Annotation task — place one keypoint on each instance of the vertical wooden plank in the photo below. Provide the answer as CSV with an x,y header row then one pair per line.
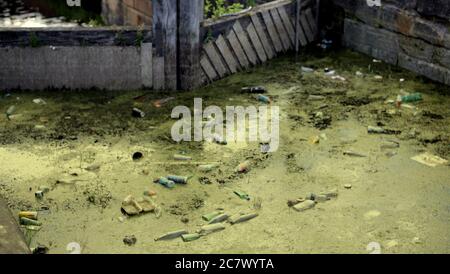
x,y
270,26
317,18
208,69
203,77
165,46
243,39
280,28
158,45
216,61
171,50
256,42
305,25
158,73
146,65
301,35
287,22
270,52
237,49
189,43
311,21
224,50
297,26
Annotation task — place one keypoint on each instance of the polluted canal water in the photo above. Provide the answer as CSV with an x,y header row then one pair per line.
x,y
347,134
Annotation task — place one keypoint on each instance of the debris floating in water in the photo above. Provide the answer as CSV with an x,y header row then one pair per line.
x,y
137,113
307,70
180,157
429,159
172,235
178,179
254,89
264,99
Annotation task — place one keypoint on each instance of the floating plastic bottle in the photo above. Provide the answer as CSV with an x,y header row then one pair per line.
x,y
178,179
166,182
264,99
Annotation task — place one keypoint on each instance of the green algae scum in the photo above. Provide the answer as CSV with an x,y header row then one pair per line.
x,y
81,145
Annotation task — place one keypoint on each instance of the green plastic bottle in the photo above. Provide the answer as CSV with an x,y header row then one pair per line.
x,y
414,97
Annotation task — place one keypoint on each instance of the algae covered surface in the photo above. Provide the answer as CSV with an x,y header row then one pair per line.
x,y
80,145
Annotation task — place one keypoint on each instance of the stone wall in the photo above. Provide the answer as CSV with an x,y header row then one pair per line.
x,y
79,58
414,34
127,12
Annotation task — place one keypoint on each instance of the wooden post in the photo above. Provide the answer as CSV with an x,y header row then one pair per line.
x,y
318,19
297,27
165,44
190,17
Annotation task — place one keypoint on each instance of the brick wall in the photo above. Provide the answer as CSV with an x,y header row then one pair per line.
x,y
127,12
413,34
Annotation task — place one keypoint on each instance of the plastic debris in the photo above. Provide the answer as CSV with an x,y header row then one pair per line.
x,y
180,157
338,77
414,97
137,113
242,218
374,3
165,182
219,218
207,168
33,215
150,193
39,101
39,194
28,221
325,44
10,111
190,237
316,97
380,130
178,179
172,235
354,154
208,229
162,102
219,139
132,206
254,89
263,99
308,204
307,70
330,73
242,194
208,217
429,159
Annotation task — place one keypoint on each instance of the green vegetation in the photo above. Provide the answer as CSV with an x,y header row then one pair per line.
x,y
139,37
218,8
75,14
34,40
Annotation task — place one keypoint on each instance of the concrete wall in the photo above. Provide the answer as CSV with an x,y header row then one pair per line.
x,y
127,12
75,59
414,34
